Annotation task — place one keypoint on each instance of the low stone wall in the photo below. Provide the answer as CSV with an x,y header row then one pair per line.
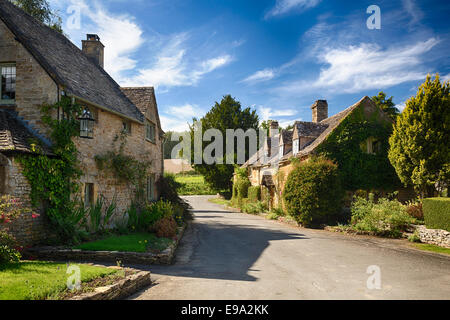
x,y
120,290
66,254
433,236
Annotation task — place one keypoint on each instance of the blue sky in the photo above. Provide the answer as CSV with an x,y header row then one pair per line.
x,y
276,56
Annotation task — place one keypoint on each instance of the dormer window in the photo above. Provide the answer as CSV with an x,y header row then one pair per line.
x,y
8,83
87,124
296,147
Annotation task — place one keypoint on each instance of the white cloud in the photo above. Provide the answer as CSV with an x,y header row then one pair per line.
x,y
446,77
173,68
367,66
262,75
284,6
267,113
413,10
177,118
173,62
401,107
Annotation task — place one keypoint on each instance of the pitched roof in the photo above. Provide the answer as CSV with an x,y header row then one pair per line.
x,y
143,98
310,129
66,64
286,136
16,136
332,123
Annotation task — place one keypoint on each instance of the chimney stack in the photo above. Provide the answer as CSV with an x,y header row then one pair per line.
x,y
94,49
319,111
274,128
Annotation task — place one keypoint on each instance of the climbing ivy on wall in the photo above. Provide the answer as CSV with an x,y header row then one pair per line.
x,y
346,146
53,179
125,168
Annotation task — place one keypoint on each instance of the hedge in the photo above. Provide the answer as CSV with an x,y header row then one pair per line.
x,y
254,194
437,213
313,193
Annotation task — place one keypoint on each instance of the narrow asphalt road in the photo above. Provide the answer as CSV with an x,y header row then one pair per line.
x,y
227,255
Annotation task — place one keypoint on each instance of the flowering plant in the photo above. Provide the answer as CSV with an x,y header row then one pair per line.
x,y
11,208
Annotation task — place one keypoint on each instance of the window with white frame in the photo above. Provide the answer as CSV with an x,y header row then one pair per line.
x,y
296,146
150,131
8,83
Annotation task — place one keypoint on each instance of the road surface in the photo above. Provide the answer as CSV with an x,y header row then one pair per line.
x,y
226,255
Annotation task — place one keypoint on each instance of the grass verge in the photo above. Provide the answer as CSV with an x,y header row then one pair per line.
x,y
432,248
221,201
137,242
29,280
193,185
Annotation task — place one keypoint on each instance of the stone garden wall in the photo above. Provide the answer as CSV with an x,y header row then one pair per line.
x,y
432,236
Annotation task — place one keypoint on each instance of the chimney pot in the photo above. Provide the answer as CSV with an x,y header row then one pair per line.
x,y
319,111
94,49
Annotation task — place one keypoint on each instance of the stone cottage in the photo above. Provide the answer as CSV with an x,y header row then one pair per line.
x,y
303,142
39,66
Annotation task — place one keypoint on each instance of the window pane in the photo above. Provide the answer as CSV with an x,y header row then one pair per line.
x,y
8,83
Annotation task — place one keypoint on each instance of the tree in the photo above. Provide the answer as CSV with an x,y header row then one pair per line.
x,y
386,105
169,144
228,114
40,10
419,146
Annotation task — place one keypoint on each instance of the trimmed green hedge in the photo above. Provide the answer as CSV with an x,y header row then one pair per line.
x,y
437,213
254,194
313,193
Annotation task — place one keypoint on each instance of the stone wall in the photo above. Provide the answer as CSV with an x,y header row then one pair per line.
x,y
432,236
107,127
34,86
26,229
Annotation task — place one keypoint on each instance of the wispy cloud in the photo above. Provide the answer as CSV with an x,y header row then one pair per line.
x,y
169,62
262,75
284,6
177,118
267,113
367,66
413,10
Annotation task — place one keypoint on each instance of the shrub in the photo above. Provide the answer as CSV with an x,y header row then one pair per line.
x,y
8,251
313,192
166,228
254,193
154,212
242,185
252,207
415,210
385,218
168,187
437,213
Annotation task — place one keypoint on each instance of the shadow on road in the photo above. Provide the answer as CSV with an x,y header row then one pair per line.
x,y
223,251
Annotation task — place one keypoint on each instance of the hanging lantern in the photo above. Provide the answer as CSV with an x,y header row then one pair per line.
x,y
87,124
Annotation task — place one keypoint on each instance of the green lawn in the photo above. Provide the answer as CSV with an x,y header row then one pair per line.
x,y
433,248
40,280
137,242
193,185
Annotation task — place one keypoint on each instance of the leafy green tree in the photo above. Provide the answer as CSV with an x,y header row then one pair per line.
x,y
228,114
419,146
40,10
387,105
169,144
